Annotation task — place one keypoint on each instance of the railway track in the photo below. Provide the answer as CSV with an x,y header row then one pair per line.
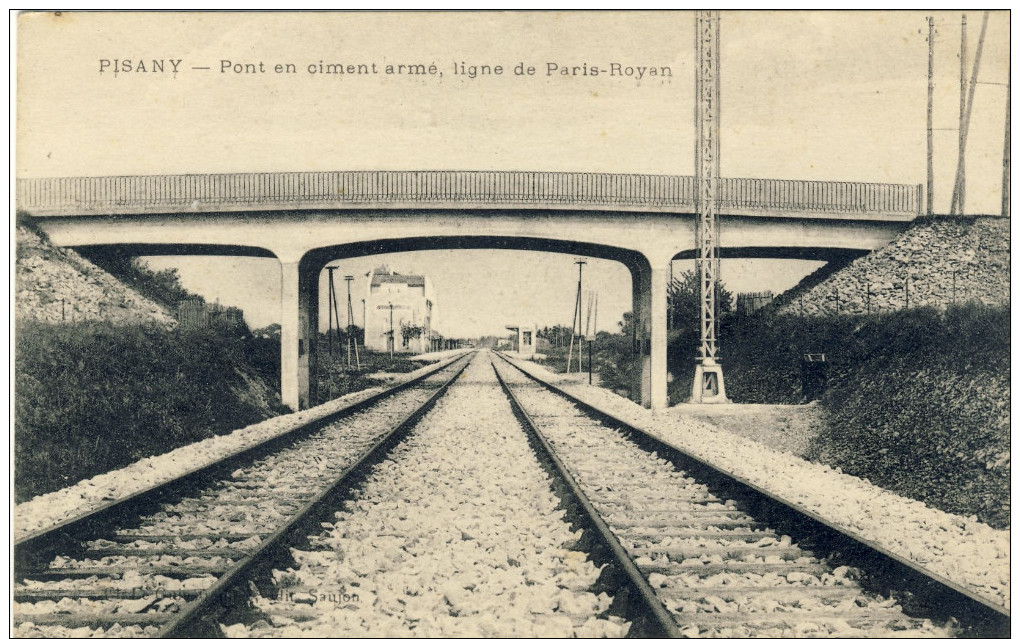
x,y
683,550
724,559
458,532
167,560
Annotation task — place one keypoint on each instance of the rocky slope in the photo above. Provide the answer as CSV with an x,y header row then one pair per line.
x,y
58,285
937,262
132,382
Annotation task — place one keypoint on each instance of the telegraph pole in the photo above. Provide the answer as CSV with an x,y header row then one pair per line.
x,y
332,310
575,325
393,336
967,104
931,98
350,323
956,207
708,376
1005,156
591,328
671,321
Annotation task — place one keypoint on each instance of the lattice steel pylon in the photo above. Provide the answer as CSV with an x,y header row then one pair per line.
x,y
708,376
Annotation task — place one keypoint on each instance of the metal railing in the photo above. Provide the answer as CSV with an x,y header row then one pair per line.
x,y
597,190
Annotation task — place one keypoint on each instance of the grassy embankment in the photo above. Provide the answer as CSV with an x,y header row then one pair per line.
x,y
334,378
92,396
917,400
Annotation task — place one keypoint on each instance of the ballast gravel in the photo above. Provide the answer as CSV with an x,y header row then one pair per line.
x,y
54,508
254,500
456,533
701,581
961,549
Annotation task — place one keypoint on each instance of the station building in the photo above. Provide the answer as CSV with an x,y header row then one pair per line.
x,y
408,301
523,339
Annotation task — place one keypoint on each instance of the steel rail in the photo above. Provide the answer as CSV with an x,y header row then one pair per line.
x,y
931,594
200,617
120,508
35,549
641,605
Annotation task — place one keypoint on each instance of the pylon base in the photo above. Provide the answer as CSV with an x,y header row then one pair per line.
x,y
709,386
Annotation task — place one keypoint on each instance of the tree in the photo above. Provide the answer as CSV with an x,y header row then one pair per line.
x,y
558,335
627,323
410,331
271,331
684,301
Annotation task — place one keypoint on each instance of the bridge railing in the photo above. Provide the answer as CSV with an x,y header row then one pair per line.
x,y
803,195
482,187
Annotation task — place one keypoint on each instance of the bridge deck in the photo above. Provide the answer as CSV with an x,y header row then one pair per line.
x,y
457,190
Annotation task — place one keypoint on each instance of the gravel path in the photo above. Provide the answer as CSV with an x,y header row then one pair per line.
x,y
59,506
784,427
958,548
457,533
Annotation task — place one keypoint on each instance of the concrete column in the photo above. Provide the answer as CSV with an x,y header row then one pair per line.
x,y
296,289
650,299
638,279
659,338
308,311
289,335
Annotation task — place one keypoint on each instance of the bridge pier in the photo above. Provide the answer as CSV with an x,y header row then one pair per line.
x,y
298,328
651,283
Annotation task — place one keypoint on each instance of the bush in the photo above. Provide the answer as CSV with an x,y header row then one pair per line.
x,y
917,400
333,378
163,287
926,413
92,397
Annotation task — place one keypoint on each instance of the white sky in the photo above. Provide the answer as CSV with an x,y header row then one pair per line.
x,y
805,95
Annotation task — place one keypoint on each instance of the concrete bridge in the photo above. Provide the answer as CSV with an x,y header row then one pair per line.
x,y
306,220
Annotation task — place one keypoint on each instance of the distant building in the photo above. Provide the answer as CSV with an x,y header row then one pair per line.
x,y
411,300
524,339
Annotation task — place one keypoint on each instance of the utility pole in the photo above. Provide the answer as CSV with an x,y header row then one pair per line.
x,y
931,97
956,207
332,310
592,328
393,336
966,107
587,333
350,323
669,299
1005,155
575,325
708,376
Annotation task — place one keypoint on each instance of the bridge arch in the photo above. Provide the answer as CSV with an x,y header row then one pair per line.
x,y
300,298
102,252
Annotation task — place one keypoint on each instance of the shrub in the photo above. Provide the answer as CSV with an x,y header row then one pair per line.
x,y
925,410
91,397
333,378
917,400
